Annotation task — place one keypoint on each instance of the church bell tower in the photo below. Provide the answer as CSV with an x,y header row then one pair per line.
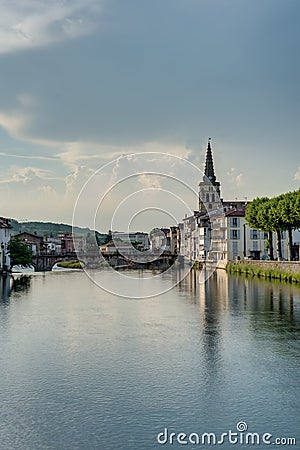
x,y
209,188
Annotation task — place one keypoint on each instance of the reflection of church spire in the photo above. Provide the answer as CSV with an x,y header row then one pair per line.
x,y
209,164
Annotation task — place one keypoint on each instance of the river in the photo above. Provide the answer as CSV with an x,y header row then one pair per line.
x,y
84,369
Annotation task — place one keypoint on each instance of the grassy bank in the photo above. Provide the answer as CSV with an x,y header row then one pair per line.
x,y
70,265
271,273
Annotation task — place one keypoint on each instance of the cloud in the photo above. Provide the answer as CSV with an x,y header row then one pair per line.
x,y
35,23
237,179
36,157
28,175
15,123
74,152
297,174
149,181
76,179
18,121
35,194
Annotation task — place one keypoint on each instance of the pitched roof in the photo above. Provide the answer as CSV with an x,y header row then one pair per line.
x,y
4,223
30,234
235,213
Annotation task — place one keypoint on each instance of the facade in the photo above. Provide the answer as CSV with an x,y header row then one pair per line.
x,y
160,240
5,228
166,239
234,239
296,240
190,244
174,239
53,245
218,230
134,237
71,243
34,242
121,247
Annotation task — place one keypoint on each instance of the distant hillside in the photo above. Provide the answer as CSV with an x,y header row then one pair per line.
x,y
51,229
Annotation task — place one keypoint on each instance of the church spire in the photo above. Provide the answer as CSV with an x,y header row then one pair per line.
x,y
209,187
209,164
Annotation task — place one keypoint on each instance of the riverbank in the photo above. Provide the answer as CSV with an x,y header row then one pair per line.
x,y
70,265
279,270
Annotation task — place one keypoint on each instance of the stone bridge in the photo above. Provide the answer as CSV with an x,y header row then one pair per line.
x,y
134,261
43,263
46,262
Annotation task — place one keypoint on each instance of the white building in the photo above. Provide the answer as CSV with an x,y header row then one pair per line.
x,y
191,242
136,237
4,242
175,237
120,247
234,239
53,245
165,239
218,231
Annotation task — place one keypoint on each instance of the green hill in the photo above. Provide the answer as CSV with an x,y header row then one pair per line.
x,y
52,229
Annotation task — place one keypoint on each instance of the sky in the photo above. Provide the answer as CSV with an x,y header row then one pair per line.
x,y
84,82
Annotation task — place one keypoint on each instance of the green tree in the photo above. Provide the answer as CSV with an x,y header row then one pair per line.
x,y
266,222
275,222
258,217
288,209
281,213
296,208
20,253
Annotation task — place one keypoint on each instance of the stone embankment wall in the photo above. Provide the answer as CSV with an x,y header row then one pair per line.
x,y
286,266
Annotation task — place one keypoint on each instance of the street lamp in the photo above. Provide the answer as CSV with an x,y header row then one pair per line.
x,y
2,256
245,241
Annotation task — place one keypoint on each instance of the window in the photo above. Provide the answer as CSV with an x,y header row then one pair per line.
x,y
207,197
255,245
234,234
254,234
283,235
235,249
265,235
235,222
212,197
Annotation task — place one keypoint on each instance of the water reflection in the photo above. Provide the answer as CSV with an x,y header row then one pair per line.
x,y
81,366
239,294
21,284
10,283
267,307
4,288
211,298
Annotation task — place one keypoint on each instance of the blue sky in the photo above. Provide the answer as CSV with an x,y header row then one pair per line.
x,y
84,81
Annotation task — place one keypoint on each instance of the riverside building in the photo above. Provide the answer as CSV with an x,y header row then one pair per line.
x,y
5,228
218,231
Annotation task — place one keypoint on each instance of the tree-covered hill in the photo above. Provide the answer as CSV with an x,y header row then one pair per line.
x,y
51,229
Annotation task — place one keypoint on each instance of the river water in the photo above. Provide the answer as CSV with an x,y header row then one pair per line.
x,y
83,369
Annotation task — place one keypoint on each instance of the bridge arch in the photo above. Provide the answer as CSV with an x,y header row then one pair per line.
x,y
46,262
